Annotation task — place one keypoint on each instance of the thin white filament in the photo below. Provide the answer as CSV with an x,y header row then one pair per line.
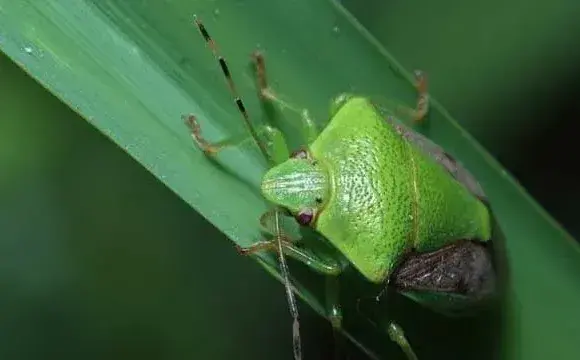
x,y
289,294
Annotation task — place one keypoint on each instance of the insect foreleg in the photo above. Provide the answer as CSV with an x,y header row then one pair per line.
x,y
322,263
276,144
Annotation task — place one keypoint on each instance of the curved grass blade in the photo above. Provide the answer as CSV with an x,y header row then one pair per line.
x,y
133,68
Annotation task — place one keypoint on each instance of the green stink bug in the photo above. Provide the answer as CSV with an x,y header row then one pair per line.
x,y
395,205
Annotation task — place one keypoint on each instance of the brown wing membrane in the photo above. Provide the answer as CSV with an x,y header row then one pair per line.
x,y
463,268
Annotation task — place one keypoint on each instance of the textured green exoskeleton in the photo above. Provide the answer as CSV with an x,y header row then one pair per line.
x,y
397,207
373,194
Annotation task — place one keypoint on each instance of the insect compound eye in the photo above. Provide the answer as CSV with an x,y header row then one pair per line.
x,y
299,154
305,217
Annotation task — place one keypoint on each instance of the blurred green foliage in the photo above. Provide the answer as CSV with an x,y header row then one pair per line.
x,y
97,258
507,71
96,255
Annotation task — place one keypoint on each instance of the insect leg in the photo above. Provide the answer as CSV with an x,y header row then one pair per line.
x,y
324,266
394,330
397,335
422,106
318,262
276,144
232,87
321,265
309,128
417,114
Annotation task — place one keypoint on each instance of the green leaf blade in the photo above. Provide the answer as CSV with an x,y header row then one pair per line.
x,y
133,69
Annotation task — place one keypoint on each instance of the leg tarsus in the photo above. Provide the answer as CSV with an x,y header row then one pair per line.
x,y
276,142
265,92
208,148
422,106
264,245
421,109
398,336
